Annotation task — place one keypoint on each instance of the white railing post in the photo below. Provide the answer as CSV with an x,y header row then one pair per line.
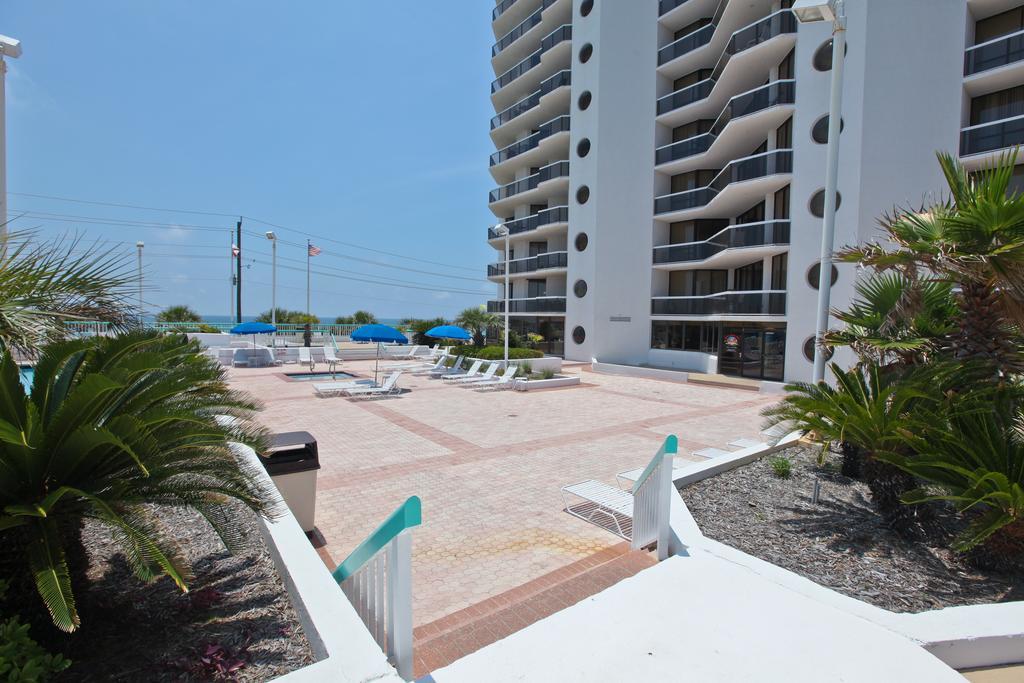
x,y
652,500
399,603
664,503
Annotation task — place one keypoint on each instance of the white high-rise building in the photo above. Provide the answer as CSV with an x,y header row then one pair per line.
x,y
661,165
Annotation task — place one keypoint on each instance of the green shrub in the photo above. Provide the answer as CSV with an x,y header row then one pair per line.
x,y
781,466
547,374
524,370
21,658
496,352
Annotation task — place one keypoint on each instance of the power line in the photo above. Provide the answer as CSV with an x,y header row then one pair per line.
x,y
122,206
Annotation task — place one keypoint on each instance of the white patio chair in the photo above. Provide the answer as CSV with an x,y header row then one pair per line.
x,y
485,376
472,372
426,364
504,382
455,368
389,388
306,357
325,389
331,359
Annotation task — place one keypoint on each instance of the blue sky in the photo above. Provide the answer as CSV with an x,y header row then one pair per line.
x,y
363,122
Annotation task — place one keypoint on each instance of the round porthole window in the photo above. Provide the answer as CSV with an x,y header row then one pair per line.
x,y
579,335
580,289
822,60
809,350
583,148
582,241
817,203
585,7
583,194
586,52
584,100
819,132
814,273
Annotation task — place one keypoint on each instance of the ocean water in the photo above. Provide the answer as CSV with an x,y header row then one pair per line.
x,y
248,318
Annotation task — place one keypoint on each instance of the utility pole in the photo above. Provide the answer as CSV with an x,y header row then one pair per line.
x,y
238,278
231,276
139,246
9,47
308,254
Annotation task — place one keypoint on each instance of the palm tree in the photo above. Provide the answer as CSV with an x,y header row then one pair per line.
x,y
879,328
43,285
478,321
973,241
113,429
178,314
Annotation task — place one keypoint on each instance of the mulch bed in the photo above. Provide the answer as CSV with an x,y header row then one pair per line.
x,y
236,622
841,542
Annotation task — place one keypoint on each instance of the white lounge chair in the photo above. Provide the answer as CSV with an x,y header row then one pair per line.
x,y
504,382
306,357
455,367
601,501
331,359
428,364
389,388
485,376
325,389
472,372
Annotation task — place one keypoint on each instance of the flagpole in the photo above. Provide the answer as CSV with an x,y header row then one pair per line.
x,y
307,276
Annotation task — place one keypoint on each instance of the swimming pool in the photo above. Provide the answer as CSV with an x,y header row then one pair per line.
x,y
318,376
27,374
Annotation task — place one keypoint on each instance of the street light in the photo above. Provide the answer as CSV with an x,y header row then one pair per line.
x,y
139,246
812,11
502,231
273,285
9,47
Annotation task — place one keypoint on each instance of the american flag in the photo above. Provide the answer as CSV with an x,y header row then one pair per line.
x,y
235,251
313,250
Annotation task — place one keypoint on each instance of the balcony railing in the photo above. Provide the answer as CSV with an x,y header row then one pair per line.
x,y
722,303
763,234
994,53
666,6
558,125
560,34
517,33
687,43
751,102
557,214
559,169
562,78
500,8
744,39
551,259
989,137
540,304
738,171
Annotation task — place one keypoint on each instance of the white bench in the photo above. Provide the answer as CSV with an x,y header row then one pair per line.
x,y
604,501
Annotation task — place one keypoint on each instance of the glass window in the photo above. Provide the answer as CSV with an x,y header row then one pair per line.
x,y
687,131
749,277
999,105
691,78
687,30
782,203
697,282
692,180
659,335
538,248
754,214
786,67
691,337
1001,24
536,288
780,264
784,135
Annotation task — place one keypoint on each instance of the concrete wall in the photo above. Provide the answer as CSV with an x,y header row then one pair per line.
x,y
619,172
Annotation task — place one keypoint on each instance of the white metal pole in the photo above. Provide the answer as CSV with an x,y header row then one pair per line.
x,y
307,276
273,288
828,231
231,276
506,293
139,246
9,47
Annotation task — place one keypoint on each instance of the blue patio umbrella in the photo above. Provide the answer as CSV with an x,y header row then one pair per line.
x,y
253,328
449,332
378,334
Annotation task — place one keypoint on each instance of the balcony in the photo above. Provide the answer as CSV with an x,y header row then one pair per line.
x,y
722,304
560,79
763,234
741,170
546,261
500,8
563,33
517,33
771,95
559,169
559,125
664,6
991,137
994,54
687,43
540,304
744,39
552,216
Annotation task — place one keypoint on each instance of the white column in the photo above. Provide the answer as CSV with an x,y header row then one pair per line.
x,y
9,47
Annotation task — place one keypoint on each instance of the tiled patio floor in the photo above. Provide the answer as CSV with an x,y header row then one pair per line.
x,y
488,467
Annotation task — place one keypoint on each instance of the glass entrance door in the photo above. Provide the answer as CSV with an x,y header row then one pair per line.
x,y
752,351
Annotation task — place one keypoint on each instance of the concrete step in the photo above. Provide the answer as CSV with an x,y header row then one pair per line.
x,y
441,642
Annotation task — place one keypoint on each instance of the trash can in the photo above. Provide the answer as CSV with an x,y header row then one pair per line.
x,y
292,461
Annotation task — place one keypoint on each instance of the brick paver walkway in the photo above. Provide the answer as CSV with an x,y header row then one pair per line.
x,y
488,467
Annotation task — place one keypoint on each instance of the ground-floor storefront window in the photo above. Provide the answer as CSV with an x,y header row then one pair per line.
x,y
545,333
753,350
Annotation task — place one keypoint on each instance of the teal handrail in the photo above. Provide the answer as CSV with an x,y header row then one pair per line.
x,y
408,515
670,447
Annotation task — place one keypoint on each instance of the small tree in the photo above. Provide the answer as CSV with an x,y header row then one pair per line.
x,y
286,317
357,318
478,321
178,314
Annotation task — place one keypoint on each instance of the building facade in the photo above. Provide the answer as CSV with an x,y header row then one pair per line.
x,y
660,164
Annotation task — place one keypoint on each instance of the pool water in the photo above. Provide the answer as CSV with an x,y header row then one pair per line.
x,y
319,376
26,377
